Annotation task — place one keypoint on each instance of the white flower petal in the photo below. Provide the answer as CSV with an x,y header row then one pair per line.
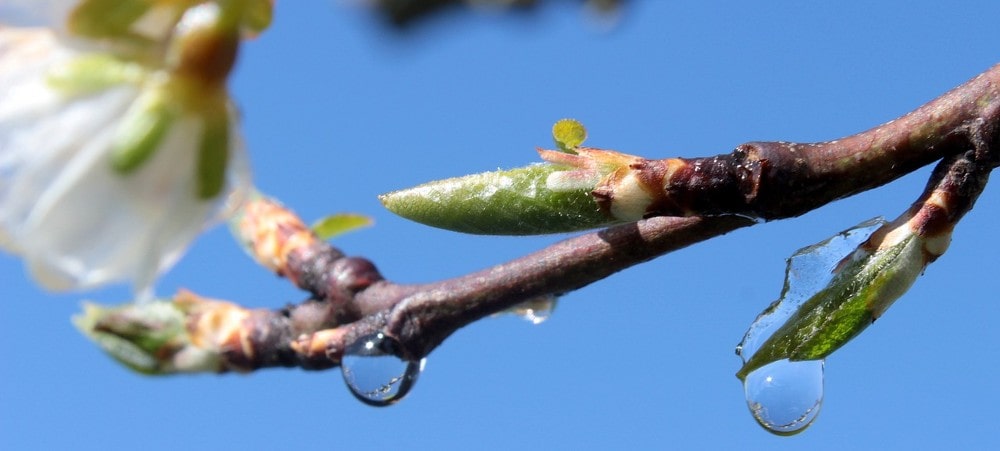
x,y
75,220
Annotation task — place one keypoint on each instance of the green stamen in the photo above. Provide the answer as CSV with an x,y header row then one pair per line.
x,y
213,154
142,131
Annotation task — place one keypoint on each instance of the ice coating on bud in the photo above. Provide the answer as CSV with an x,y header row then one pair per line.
x,y
812,324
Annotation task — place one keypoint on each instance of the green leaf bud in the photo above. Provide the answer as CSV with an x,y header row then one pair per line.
x,y
864,285
149,338
512,202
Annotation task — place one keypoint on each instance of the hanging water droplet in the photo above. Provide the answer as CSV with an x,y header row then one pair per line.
x,y
535,310
375,373
785,397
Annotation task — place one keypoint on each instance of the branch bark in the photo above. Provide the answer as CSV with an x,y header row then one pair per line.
x,y
700,199
778,180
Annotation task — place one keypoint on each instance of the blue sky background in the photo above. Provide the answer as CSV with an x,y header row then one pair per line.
x,y
337,110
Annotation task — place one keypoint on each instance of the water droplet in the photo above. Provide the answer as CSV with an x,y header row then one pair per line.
x,y
785,397
754,218
375,373
535,310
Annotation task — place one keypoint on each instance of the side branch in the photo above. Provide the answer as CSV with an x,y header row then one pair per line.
x,y
424,319
427,314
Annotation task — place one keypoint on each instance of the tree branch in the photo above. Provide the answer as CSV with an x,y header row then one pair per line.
x,y
402,14
769,180
777,180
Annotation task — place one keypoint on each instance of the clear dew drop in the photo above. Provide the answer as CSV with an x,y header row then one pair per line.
x,y
375,374
535,311
785,397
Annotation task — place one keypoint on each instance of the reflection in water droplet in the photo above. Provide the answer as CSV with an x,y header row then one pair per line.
x,y
785,397
375,374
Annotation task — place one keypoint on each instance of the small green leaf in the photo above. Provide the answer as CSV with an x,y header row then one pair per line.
x,y
141,131
569,134
512,202
339,224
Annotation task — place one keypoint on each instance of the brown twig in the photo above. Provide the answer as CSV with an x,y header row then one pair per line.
x,y
767,179
404,13
422,316
770,180
777,180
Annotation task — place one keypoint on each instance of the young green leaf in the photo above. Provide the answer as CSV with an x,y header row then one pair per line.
x,y
339,224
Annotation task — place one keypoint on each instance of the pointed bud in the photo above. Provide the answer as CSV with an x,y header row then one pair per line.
x,y
149,338
513,202
864,284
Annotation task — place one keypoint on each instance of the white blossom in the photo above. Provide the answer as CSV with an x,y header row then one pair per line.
x,y
76,219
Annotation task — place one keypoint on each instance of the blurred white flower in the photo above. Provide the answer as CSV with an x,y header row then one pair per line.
x,y
111,161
